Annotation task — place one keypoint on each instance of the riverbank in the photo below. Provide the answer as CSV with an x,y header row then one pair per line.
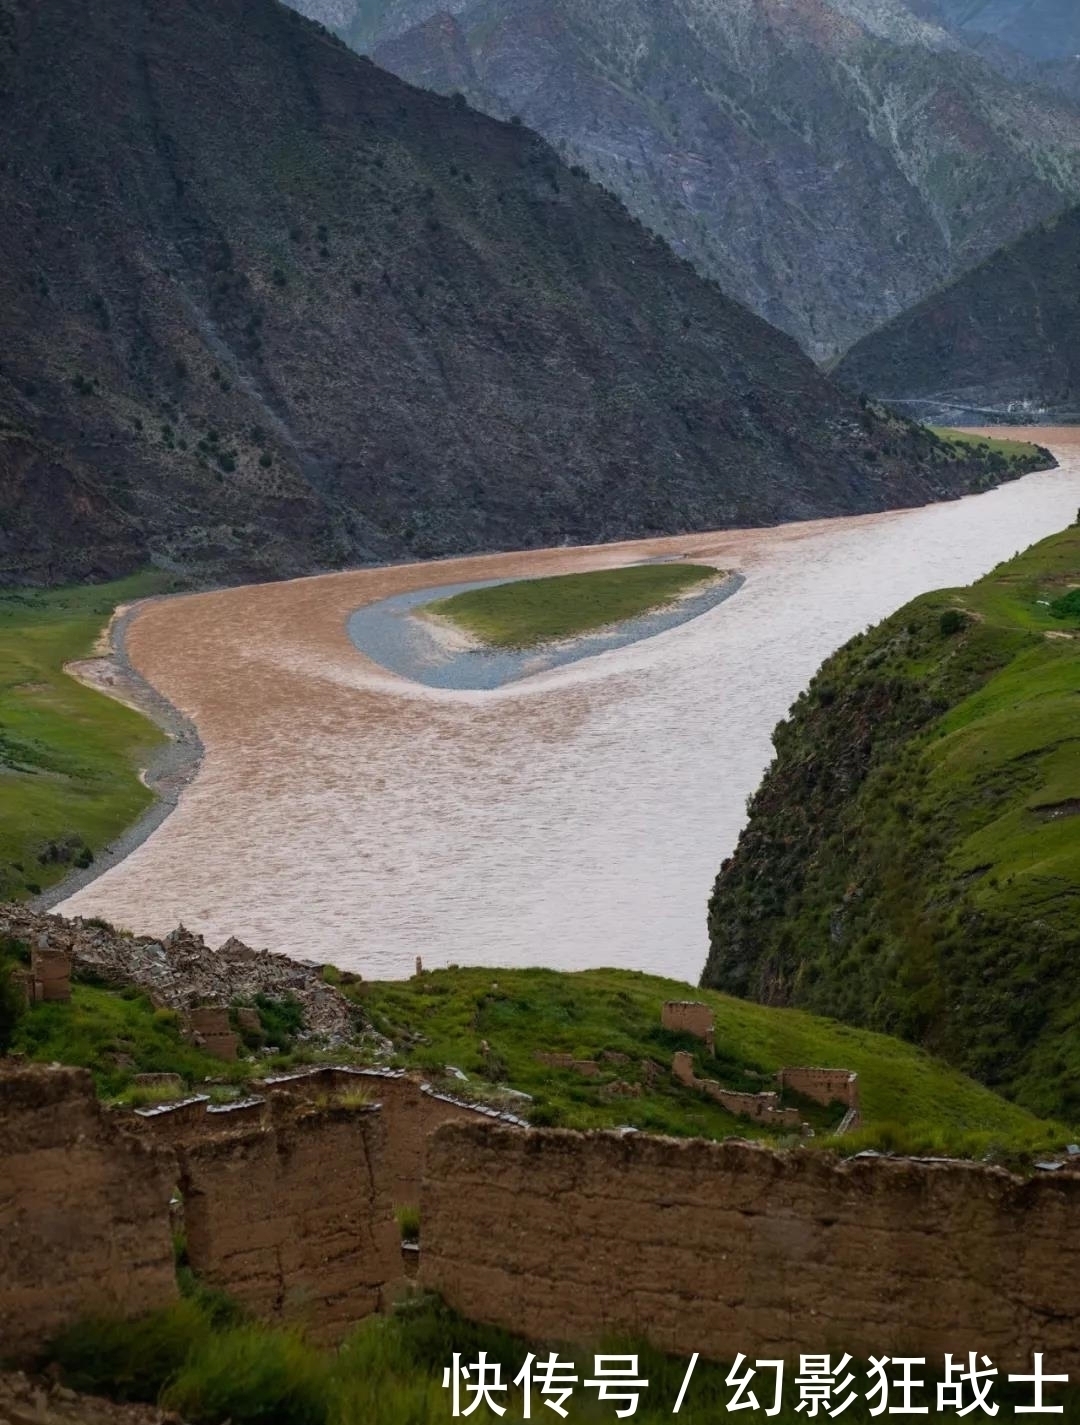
x,y
171,766
70,759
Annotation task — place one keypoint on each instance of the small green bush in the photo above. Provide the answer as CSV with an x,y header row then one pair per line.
x,y
130,1360
282,1019
951,622
1068,606
408,1221
12,1006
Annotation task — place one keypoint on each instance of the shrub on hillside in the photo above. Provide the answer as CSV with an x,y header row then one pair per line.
x,y
12,1006
130,1360
253,1374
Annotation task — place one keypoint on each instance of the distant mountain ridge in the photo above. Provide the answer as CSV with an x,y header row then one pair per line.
x,y
1002,343
829,162
269,310
1044,29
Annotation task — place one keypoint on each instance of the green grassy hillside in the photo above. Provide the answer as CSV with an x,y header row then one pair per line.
x,y
69,756
530,611
912,858
491,1024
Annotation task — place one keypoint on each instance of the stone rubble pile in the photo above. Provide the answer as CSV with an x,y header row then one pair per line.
x,y
27,1401
182,972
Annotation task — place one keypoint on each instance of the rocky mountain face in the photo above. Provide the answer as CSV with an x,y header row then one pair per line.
x,y
268,309
829,162
1044,29
1001,344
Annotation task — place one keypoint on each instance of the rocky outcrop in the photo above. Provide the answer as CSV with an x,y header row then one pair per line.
x,y
25,1400
718,1247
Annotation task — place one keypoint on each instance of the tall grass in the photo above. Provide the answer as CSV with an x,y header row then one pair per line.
x,y
390,1372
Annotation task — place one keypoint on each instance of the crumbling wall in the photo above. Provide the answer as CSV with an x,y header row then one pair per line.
x,y
822,1085
725,1247
758,1106
411,1111
686,1016
587,1068
84,1210
292,1217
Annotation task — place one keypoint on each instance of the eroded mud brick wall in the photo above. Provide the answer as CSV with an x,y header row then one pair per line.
x,y
725,1247
294,1219
823,1085
84,1210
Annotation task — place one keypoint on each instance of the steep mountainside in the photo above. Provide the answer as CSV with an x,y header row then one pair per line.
x,y
267,309
829,162
1045,29
912,858
1002,342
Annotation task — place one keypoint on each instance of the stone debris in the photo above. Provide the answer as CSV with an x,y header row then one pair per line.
x,y
182,972
41,1401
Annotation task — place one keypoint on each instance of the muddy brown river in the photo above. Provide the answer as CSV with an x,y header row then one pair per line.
x,y
572,819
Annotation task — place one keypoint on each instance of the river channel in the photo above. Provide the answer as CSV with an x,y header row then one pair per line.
x,y
572,818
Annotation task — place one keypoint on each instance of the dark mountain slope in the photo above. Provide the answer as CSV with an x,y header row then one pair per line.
x,y
269,309
829,162
1004,341
912,858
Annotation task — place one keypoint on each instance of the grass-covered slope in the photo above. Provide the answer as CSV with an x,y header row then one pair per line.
x,y
69,756
530,611
481,1034
492,1024
912,858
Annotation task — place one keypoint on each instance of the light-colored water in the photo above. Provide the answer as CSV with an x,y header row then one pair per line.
x,y
574,819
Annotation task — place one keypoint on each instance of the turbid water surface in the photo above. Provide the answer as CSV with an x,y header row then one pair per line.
x,y
574,818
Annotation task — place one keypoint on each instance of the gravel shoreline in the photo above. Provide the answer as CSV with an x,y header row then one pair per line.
x,y
171,768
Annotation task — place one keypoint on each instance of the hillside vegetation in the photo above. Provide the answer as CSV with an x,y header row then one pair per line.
x,y
69,756
274,310
484,1035
912,858
492,1024
1003,342
530,611
204,1359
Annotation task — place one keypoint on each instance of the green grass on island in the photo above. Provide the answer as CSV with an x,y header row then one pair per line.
x,y
69,756
530,611
912,860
